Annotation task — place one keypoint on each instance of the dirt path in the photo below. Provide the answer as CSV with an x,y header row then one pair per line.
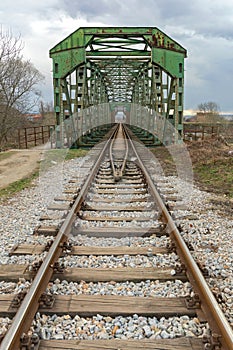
x,y
17,165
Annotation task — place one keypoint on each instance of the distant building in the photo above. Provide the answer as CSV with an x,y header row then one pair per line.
x,y
208,117
228,117
33,117
190,118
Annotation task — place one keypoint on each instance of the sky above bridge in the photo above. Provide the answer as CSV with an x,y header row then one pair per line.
x,y
203,27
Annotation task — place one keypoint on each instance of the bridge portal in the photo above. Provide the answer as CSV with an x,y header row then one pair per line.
x,y
98,72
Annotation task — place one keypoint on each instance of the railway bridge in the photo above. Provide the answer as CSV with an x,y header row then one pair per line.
x,y
106,74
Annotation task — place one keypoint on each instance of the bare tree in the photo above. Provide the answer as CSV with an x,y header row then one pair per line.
x,y
210,111
46,107
18,80
208,107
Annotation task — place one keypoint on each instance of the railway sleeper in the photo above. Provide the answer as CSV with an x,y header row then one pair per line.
x,y
61,207
113,344
119,207
13,273
106,305
128,199
46,230
123,181
118,232
31,249
90,217
120,185
119,191
65,198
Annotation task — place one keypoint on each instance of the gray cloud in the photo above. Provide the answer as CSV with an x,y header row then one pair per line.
x,y
90,9
203,27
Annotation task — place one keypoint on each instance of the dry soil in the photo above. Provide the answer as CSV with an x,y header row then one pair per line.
x,y
17,165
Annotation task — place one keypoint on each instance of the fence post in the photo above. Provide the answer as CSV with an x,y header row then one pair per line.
x,y
25,135
19,138
34,134
42,131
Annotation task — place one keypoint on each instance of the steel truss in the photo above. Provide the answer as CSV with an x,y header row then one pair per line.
x,y
98,71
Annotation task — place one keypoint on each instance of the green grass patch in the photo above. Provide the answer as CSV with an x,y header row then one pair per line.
x,y
213,170
74,153
216,176
17,186
57,156
165,159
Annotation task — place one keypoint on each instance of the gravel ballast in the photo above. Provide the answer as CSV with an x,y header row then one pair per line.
x,y
210,234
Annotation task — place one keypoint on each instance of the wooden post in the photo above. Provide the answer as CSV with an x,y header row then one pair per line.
x,y
25,135
42,133
35,134
203,133
19,138
212,131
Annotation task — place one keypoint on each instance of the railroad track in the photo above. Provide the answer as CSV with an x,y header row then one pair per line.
x,y
118,202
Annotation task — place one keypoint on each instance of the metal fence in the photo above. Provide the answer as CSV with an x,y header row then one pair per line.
x,y
38,135
34,136
201,131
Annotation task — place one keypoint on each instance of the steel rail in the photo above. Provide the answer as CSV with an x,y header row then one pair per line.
x,y
118,173
209,304
25,314
111,149
126,151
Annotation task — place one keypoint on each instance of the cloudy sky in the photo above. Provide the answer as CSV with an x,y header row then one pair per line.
x,y
203,27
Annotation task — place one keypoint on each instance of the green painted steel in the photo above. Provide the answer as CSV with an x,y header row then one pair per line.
x,y
99,71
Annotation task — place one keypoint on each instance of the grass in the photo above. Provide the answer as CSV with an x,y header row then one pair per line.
x,y
74,153
213,170
162,154
57,156
17,186
216,176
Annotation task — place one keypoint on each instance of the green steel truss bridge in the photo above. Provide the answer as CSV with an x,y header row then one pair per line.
x,y
102,74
